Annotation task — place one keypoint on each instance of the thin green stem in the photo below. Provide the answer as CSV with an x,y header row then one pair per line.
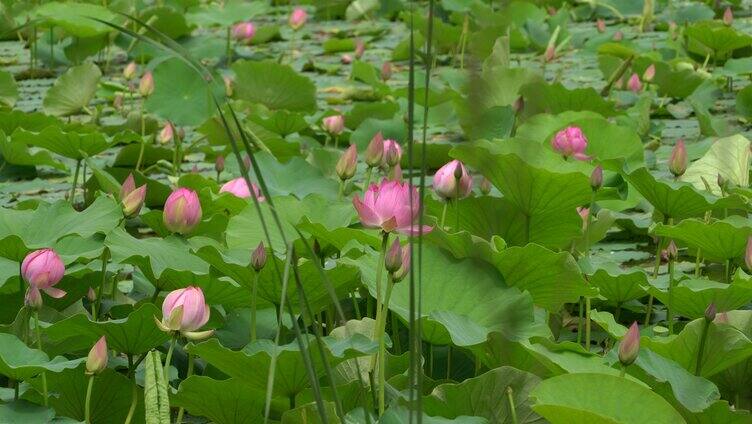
x,y
134,390
727,273
512,408
254,289
382,344
580,320
701,348
87,407
443,214
168,359
656,267
143,141
181,411
97,305
38,331
449,362
623,371
395,334
75,180
341,192
229,45
367,182
457,211
670,306
587,323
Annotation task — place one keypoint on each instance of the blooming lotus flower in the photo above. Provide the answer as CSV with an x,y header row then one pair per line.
x,y
132,198
166,134
452,181
386,71
42,269
129,71
334,124
360,48
347,163
387,206
244,31
146,84
649,73
571,142
600,25
392,153
677,162
375,151
185,310
258,257
629,347
634,84
239,188
182,211
96,361
298,18
728,16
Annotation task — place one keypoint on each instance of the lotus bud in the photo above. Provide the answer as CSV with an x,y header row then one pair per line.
x,y
618,36
386,71
677,162
43,269
334,124
96,362
228,85
393,257
584,215
219,164
600,25
375,150
346,59
185,310
404,269
671,251
596,178
129,71
634,84
360,48
244,31
710,312
33,298
258,257
720,181
167,133
629,347
728,16
347,163
485,186
146,85
91,295
452,181
132,198
392,153
550,53
182,211
298,18
748,254
649,73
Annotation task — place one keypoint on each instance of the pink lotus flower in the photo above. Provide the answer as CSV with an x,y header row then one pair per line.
x,y
634,84
185,310
596,178
677,162
132,198
334,124
375,151
571,142
629,347
618,36
395,174
392,153
96,361
182,211
452,181
146,84
239,188
42,269
298,18
244,31
387,206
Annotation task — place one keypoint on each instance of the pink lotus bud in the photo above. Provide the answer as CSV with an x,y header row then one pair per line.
x,y
91,295
33,298
629,347
96,362
596,178
393,257
386,71
146,85
298,18
387,206
649,73
182,211
360,48
43,269
485,186
392,153
600,25
239,188
728,16
634,84
228,85
677,162
375,150
671,251
748,254
710,312
132,198
452,181
244,31
334,124
258,257
395,173
550,53
130,71
404,268
165,136
219,164
346,59
185,310
571,142
347,163
618,36
584,214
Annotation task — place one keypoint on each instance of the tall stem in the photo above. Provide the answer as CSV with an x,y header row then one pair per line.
x,y
169,358
580,320
87,407
369,170
39,346
701,348
670,306
341,192
229,46
587,323
382,346
75,180
97,305
253,306
143,134
181,411
512,408
656,267
443,214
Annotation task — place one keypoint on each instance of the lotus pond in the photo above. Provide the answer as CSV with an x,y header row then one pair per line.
x,y
396,211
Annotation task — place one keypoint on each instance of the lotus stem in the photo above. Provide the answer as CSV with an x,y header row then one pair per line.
x,y
168,359
369,170
75,180
701,348
341,192
181,411
253,306
587,323
96,309
443,214
512,408
87,407
39,346
382,347
670,306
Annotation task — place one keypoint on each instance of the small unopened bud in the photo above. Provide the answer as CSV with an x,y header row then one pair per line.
x,y
375,150
677,162
392,153
346,59
228,86
33,298
485,186
671,251
129,71
720,181
96,362
360,48
91,295
596,178
395,173
710,312
550,53
600,25
728,16
167,133
386,71
146,85
634,84
131,197
393,257
334,124
347,163
629,347
219,164
258,257
649,73
618,36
